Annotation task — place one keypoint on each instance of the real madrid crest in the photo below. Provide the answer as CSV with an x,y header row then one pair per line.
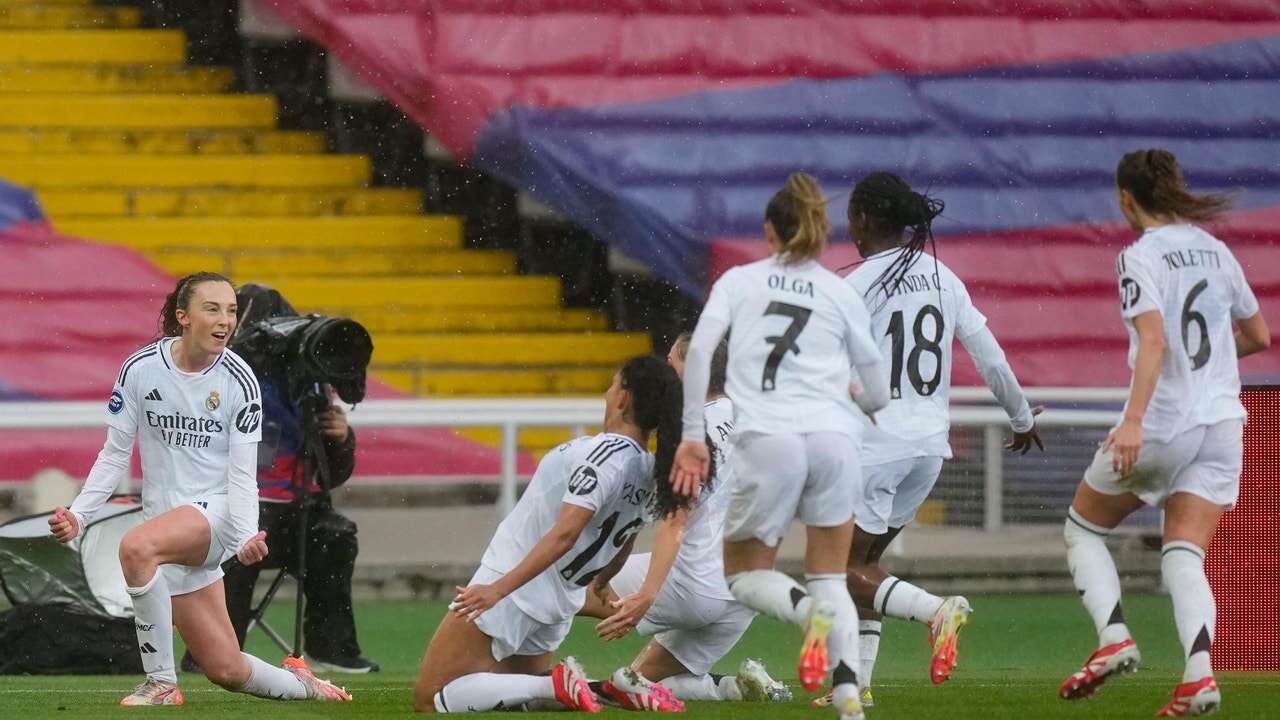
x,y
213,401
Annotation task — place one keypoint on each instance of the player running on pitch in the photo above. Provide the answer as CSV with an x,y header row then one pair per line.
x,y
195,409
799,337
918,307
678,593
1179,445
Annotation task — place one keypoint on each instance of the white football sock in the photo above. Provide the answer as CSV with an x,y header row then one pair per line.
x,y
868,648
900,599
1194,612
481,692
153,621
772,593
693,687
842,643
1095,576
271,682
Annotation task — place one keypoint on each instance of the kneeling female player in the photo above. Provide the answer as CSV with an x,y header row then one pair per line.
x,y
572,529
678,593
195,408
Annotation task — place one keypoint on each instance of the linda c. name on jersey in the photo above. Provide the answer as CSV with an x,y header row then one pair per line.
x,y
181,430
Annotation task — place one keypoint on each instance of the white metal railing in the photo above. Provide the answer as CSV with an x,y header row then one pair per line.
x,y
511,414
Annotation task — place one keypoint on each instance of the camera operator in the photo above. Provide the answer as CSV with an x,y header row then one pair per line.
x,y
329,624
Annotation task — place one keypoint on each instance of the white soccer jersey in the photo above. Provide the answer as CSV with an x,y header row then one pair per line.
x,y
795,331
185,423
609,474
915,326
1195,283
699,566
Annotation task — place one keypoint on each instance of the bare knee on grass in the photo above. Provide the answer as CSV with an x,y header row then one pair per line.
x,y
458,648
657,663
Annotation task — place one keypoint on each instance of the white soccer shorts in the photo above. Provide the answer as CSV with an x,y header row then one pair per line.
x,y
696,630
512,630
894,492
1204,461
183,579
814,477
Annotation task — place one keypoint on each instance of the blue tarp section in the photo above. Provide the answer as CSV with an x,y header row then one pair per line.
x,y
1006,148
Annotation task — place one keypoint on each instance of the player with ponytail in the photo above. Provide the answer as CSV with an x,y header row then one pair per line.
x,y
800,342
1191,315
569,534
195,410
918,307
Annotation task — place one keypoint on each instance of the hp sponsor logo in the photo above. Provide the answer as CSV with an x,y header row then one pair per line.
x,y
1130,293
116,403
583,480
249,417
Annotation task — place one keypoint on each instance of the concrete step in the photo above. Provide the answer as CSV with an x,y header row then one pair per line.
x,y
206,171
37,142
201,203
102,47
136,111
350,234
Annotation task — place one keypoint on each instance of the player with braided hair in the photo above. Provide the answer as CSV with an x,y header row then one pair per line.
x,y
917,307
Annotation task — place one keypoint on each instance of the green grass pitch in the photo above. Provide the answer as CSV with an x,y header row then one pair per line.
x,y
1013,655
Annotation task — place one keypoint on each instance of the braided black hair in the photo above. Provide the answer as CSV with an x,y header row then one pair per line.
x,y
657,401
892,206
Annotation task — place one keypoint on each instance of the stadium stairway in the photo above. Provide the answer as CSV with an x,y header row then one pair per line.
x,y
124,143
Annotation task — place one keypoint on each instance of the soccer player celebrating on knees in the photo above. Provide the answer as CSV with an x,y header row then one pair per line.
x,y
677,594
799,338
571,530
195,409
918,306
1179,444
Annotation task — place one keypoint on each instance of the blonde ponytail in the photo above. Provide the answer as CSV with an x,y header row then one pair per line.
x,y
798,214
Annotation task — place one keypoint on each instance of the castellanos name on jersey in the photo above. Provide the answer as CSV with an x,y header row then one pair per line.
x,y
609,474
185,423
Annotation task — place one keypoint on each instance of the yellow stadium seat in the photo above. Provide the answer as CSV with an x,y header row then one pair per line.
x,y
67,17
248,266
104,47
514,349
337,233
135,112
154,171
508,381
477,292
410,320
159,142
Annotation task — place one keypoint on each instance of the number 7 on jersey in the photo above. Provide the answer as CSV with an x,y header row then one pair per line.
x,y
784,343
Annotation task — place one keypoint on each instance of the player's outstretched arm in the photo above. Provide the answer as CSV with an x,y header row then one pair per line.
x,y
630,610
473,600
